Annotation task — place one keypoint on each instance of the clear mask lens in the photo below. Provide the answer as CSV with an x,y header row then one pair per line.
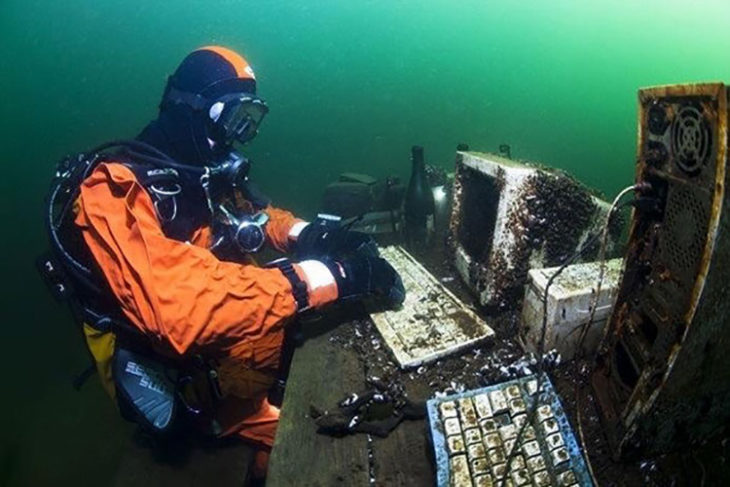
x,y
239,117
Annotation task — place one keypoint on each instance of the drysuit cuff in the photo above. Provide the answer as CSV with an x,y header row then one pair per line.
x,y
296,229
321,284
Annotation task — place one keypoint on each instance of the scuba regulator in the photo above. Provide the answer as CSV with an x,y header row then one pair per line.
x,y
244,229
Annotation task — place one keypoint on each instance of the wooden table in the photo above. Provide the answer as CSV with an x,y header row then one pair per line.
x,y
322,373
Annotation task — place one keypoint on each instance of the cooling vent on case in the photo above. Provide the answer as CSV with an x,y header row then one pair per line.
x,y
691,139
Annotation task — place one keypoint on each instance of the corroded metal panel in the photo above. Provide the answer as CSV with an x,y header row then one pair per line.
x,y
663,376
432,321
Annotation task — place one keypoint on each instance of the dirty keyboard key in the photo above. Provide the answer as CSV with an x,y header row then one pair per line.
x,y
483,408
468,414
560,455
516,406
518,462
479,466
508,445
499,471
476,451
448,409
460,476
531,448
550,426
472,436
496,456
455,444
483,481
492,440
488,426
520,477
519,420
535,464
512,392
452,427
566,479
554,441
544,412
498,401
508,432
541,479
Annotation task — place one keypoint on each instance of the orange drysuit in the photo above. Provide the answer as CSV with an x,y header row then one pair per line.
x,y
187,300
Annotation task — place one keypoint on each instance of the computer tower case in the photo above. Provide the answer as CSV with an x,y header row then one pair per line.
x,y
509,217
663,370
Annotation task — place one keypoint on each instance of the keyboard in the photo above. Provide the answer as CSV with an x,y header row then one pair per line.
x,y
432,322
474,432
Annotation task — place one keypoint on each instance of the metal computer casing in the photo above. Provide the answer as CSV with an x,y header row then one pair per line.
x,y
663,374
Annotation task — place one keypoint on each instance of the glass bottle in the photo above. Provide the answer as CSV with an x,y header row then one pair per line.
x,y
419,203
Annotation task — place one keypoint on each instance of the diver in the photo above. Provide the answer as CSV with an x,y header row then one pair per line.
x,y
165,227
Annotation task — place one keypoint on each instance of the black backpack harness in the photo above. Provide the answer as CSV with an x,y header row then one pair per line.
x,y
149,387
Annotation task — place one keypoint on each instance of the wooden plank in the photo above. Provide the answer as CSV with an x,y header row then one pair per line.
x,y
321,374
403,458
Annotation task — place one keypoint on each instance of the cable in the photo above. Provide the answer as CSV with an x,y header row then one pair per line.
x,y
602,260
586,326
543,330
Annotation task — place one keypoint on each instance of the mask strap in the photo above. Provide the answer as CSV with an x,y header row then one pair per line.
x,y
193,100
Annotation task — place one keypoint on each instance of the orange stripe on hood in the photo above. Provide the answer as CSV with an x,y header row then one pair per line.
x,y
243,69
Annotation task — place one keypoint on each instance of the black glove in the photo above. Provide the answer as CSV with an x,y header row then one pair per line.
x,y
317,240
366,276
372,411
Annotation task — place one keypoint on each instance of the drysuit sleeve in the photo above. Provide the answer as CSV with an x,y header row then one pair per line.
x,y
177,292
282,228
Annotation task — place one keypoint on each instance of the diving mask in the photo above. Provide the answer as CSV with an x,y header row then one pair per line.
x,y
236,116
230,117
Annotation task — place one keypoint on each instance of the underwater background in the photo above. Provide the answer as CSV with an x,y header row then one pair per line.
x,y
351,86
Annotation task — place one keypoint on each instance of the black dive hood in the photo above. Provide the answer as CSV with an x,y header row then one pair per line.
x,y
178,139
181,132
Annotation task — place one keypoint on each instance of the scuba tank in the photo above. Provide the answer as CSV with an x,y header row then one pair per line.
x,y
419,205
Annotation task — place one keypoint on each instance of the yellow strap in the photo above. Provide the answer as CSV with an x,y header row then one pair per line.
x,y
101,345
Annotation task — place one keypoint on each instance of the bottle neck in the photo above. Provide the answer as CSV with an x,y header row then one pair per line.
x,y
417,158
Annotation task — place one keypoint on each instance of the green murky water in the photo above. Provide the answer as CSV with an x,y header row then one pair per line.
x,y
351,86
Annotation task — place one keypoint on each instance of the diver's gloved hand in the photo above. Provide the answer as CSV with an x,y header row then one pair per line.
x,y
362,276
316,240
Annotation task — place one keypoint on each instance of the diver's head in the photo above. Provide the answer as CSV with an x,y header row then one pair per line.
x,y
209,103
